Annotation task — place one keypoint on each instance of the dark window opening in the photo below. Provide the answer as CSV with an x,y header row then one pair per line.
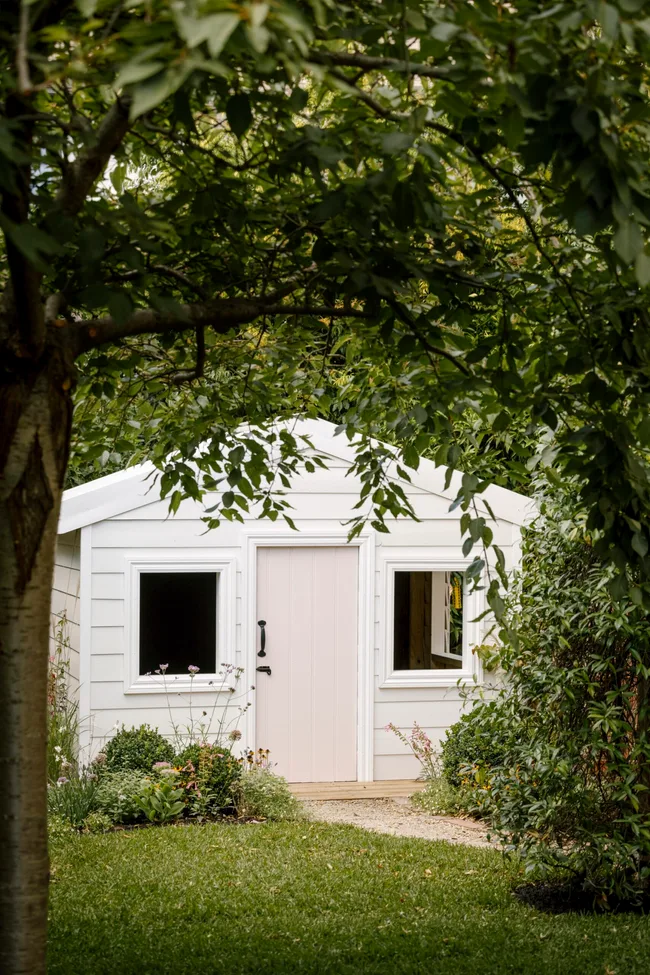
x,y
428,621
178,621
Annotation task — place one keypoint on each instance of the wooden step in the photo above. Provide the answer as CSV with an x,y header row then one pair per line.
x,y
388,789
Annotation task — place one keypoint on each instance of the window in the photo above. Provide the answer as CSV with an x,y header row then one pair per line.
x,y
427,620
178,621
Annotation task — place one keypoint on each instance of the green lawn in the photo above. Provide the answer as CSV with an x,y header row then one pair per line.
x,y
282,898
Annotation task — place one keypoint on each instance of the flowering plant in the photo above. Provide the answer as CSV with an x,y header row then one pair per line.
x,y
422,747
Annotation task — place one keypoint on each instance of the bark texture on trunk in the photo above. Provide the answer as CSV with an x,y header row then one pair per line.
x,y
35,415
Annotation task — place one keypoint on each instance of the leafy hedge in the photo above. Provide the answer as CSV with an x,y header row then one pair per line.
x,y
575,793
478,739
137,749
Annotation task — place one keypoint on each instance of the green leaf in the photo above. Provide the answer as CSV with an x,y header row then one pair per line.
x,y
120,306
239,114
444,31
640,544
397,142
137,70
221,27
215,29
150,94
643,269
36,245
514,128
117,177
628,240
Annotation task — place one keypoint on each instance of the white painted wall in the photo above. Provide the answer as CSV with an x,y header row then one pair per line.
x,y
321,502
65,599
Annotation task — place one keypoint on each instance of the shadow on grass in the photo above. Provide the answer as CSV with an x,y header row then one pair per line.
x,y
567,898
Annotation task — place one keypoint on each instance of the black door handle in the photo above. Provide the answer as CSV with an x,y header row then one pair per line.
x,y
262,624
264,670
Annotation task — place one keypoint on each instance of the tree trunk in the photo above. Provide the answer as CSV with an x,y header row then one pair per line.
x,y
35,415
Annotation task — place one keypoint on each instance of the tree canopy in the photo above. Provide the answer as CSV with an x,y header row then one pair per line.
x,y
410,216
388,212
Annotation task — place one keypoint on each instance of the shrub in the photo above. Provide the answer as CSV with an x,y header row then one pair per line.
x,y
575,792
97,822
208,774
439,798
72,799
479,740
117,793
263,795
137,748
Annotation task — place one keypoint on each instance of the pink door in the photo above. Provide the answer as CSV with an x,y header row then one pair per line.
x,y
307,707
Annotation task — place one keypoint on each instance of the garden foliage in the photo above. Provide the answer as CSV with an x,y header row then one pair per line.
x,y
62,708
574,792
137,749
208,774
480,739
263,795
117,795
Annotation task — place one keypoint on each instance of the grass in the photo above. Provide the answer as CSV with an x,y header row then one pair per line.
x,y
306,897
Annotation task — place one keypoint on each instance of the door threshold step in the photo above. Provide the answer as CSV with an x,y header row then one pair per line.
x,y
388,789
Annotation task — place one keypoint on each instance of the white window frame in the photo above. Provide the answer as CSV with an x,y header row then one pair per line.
x,y
473,606
225,650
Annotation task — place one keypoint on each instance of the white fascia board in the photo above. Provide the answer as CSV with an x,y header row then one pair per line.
x,y
135,486
107,496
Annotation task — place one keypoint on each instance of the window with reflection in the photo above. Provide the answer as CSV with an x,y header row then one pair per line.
x,y
428,620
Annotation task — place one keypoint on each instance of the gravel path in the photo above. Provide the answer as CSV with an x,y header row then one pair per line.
x,y
399,818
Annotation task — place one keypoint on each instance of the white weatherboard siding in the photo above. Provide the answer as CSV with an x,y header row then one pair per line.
x,y
65,599
321,502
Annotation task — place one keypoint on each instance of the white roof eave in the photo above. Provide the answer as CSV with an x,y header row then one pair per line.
x,y
111,495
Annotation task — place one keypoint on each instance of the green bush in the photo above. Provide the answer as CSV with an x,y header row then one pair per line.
x,y
478,739
137,748
208,775
97,822
117,794
263,795
575,793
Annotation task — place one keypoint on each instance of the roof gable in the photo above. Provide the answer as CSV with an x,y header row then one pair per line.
x,y
114,494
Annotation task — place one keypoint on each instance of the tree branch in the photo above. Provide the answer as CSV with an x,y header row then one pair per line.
x,y
364,63
92,160
22,51
219,314
169,272
437,350
187,375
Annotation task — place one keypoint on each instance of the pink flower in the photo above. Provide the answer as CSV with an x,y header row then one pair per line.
x,y
193,670
164,667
